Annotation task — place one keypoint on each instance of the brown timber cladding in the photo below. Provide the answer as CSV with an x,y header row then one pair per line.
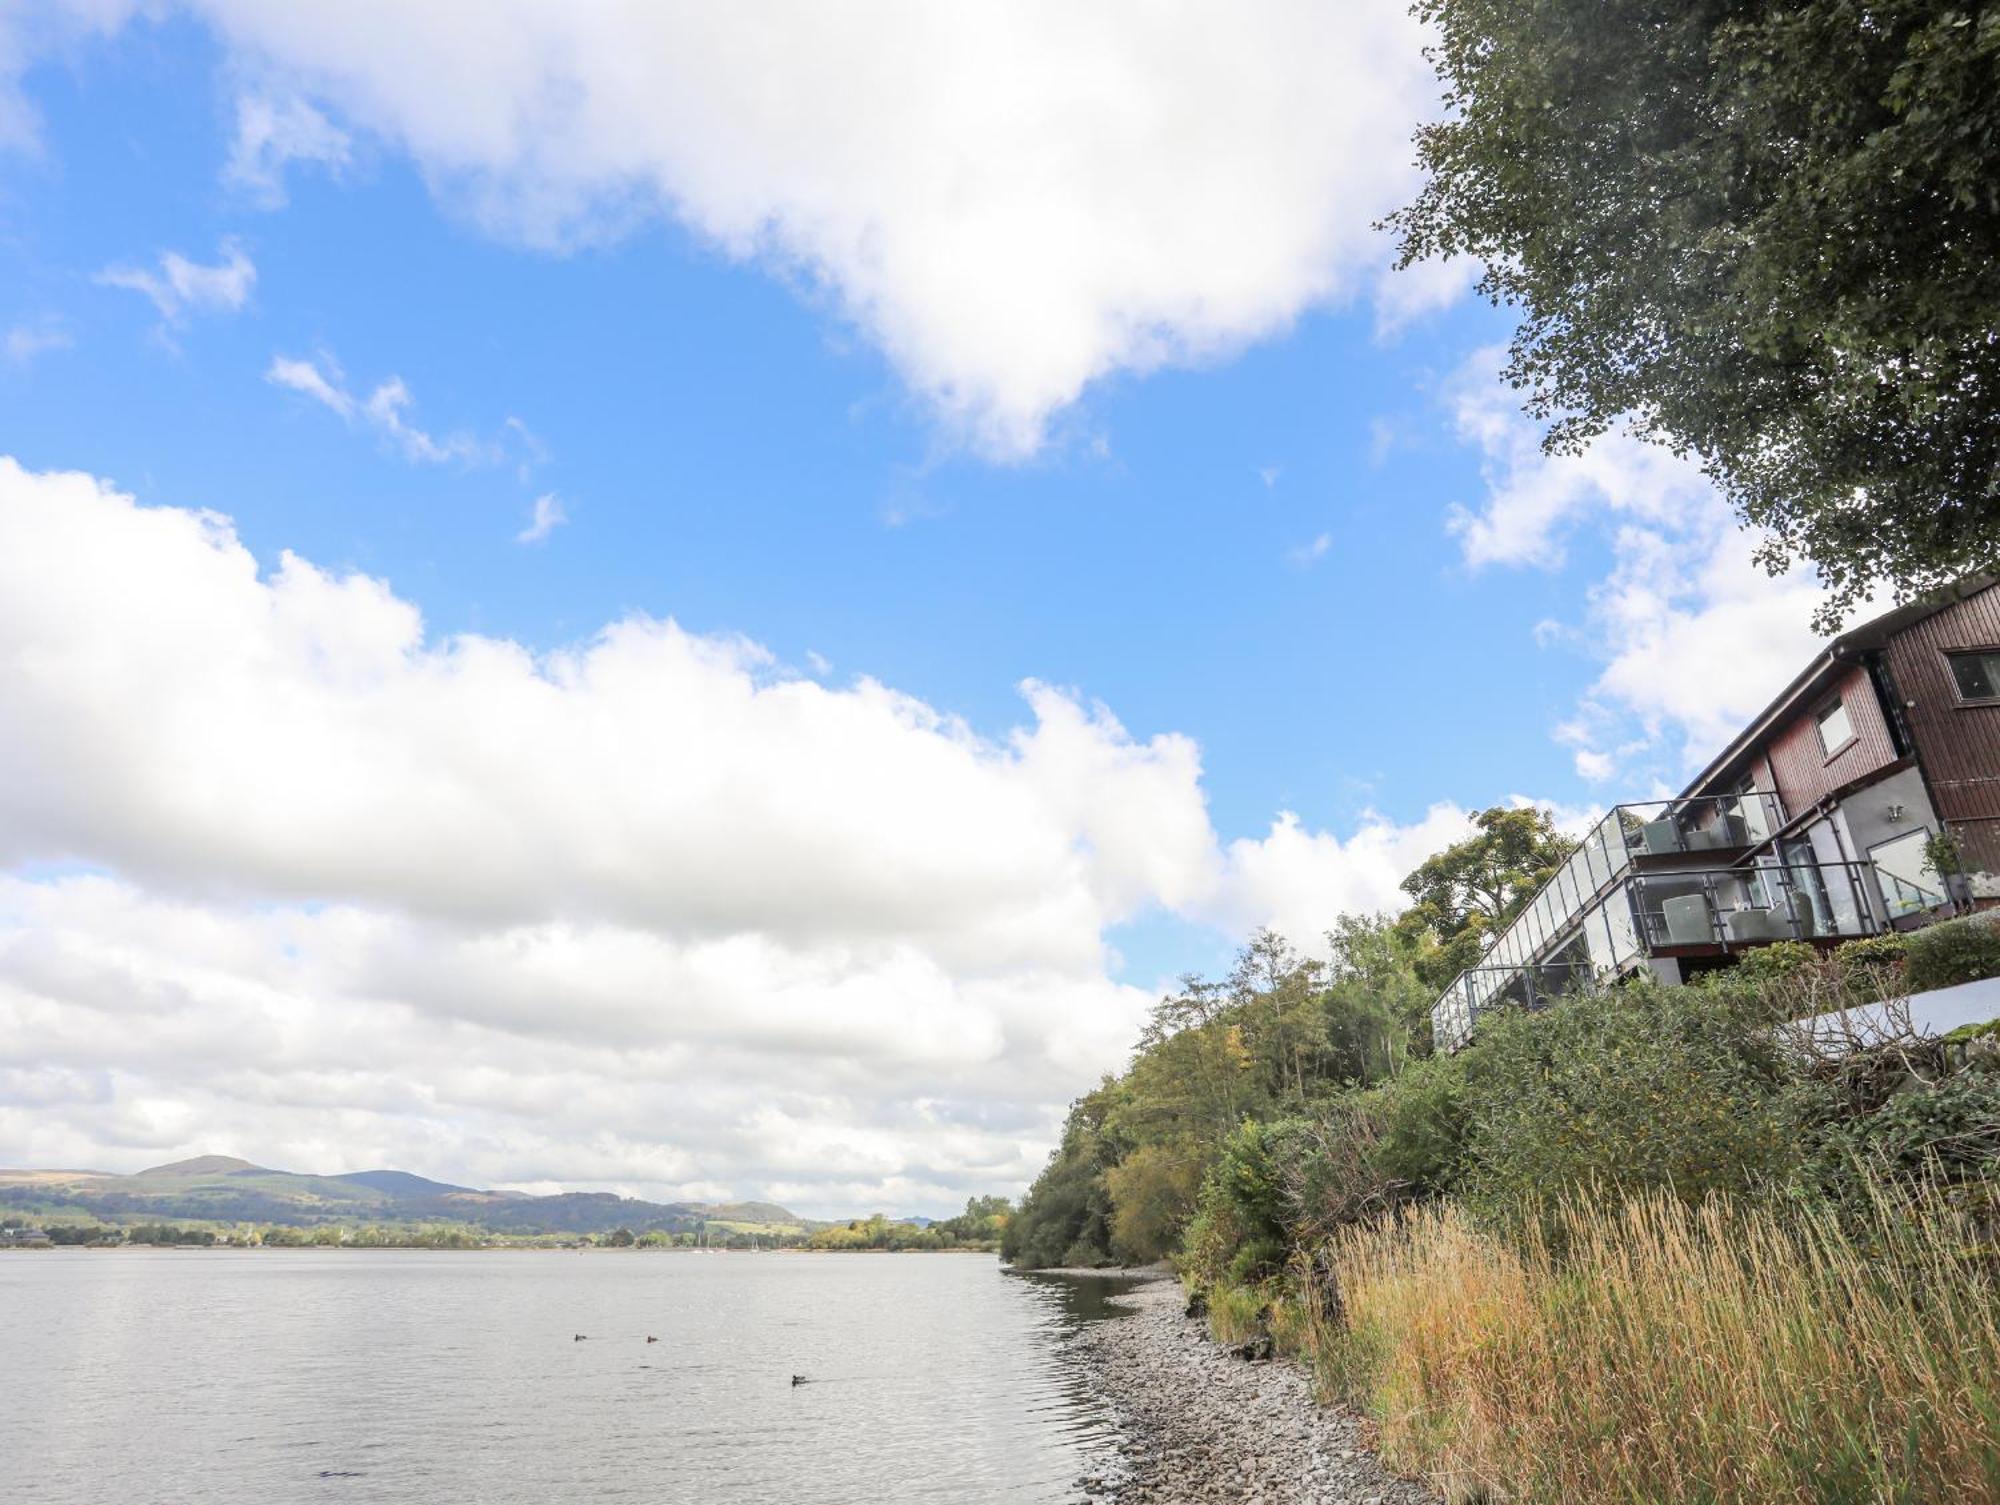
x,y
1958,745
1801,768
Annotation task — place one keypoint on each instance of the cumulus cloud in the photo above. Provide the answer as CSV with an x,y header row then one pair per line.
x,y
1011,200
1692,636
648,911
1297,880
182,288
383,410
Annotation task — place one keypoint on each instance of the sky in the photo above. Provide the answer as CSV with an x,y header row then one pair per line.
x,y
712,601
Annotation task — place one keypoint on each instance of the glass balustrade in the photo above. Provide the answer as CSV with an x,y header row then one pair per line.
x,y
1901,897
1659,912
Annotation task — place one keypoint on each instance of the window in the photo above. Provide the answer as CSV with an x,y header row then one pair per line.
x,y
1977,673
1835,730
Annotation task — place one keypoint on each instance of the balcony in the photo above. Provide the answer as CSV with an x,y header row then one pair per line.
x,y
1709,825
1672,912
1627,839
1689,913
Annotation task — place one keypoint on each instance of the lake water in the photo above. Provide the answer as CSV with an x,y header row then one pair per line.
x,y
303,1375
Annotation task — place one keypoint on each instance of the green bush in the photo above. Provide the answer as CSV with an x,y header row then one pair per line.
x,y
1885,950
1952,1128
1241,1233
1422,1126
1953,952
1768,964
1680,1088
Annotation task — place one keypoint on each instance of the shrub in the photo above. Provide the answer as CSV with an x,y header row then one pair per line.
x,y
1769,963
1651,1087
1885,950
1950,1129
1421,1141
1240,1232
1953,952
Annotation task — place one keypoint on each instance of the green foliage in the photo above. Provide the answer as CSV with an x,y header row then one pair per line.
x,y
1950,1129
1242,1224
1768,964
1282,1035
1152,1193
1421,1144
1944,855
1765,232
1888,949
1676,1088
1236,1313
1466,894
1953,952
1065,1219
978,1227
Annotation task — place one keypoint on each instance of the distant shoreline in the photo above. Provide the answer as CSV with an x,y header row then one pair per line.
x,y
482,1249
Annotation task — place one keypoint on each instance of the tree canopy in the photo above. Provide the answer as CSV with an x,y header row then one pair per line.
x,y
1766,232
1462,896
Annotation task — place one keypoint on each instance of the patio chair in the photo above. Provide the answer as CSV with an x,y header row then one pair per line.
x,y
1690,922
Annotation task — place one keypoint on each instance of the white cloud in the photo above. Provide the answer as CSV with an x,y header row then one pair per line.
x,y
306,378
383,410
1405,297
548,516
181,288
644,912
1297,880
24,342
1311,553
1011,200
29,32
1693,637
274,131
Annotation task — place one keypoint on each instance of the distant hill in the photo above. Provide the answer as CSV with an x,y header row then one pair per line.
x,y
403,1184
203,1165
223,1188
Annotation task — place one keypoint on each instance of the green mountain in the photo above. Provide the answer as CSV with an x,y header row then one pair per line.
x,y
223,1188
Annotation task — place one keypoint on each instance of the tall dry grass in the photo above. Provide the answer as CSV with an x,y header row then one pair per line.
x,y
1677,1353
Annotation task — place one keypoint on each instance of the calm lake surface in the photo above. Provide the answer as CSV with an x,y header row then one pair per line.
x,y
264,1375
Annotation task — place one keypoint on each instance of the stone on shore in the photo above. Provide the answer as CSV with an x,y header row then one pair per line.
x,y
1198,1424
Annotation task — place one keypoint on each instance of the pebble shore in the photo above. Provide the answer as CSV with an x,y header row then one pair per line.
x,y
1198,1424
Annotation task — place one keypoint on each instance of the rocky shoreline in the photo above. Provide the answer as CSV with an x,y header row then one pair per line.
x,y
1198,1424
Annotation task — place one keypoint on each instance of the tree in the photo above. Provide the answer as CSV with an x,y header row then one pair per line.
x,y
1464,895
1765,232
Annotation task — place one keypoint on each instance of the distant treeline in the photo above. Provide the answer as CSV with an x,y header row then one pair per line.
x,y
980,1226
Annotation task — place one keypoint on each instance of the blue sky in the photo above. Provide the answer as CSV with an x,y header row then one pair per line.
x,y
1312,536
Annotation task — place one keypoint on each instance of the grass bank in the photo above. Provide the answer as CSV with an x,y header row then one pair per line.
x,y
1675,1353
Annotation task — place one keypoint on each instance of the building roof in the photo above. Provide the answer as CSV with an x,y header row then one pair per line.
x,y
1835,659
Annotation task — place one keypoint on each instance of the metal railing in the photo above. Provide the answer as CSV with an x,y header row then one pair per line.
x,y
1901,897
1670,912
1738,907
1625,836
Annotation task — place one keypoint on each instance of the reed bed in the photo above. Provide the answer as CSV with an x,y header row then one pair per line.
x,y
1678,1353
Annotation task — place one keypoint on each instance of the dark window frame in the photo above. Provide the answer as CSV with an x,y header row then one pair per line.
x,y
1951,657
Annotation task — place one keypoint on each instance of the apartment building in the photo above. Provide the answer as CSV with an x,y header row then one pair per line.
x,y
1814,824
